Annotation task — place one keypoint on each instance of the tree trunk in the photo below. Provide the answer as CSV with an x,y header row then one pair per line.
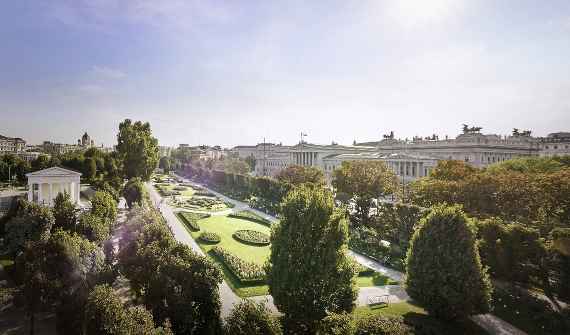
x,y
32,323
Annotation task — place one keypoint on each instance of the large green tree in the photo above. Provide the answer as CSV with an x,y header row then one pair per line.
x,y
104,206
297,175
31,222
443,271
134,192
137,148
308,271
364,181
64,212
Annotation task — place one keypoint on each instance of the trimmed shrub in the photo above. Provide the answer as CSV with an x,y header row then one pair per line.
x,y
210,237
337,324
251,237
382,325
191,219
251,216
245,271
251,318
444,272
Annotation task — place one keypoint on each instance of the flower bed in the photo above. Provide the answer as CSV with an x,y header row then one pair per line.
x,y
207,203
246,272
180,188
204,193
251,216
210,237
191,219
251,237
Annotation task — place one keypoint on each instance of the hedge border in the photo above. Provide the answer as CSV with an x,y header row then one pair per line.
x,y
257,219
221,258
251,242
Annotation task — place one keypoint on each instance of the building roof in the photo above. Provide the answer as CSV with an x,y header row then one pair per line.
x,y
55,171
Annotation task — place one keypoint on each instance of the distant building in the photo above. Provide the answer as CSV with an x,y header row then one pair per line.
x,y
555,144
11,144
164,151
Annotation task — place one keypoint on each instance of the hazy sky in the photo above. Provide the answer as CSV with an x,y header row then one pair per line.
x,y
232,72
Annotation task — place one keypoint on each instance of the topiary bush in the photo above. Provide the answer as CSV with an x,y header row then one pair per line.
x,y
245,271
251,318
380,325
251,237
191,219
443,271
210,237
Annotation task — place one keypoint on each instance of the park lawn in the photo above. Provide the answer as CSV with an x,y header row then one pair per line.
x,y
375,279
188,193
414,314
225,227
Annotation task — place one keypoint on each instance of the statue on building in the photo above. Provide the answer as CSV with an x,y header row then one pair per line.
x,y
470,130
389,136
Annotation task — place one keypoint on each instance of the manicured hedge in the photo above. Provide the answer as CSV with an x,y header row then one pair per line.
x,y
191,219
204,193
246,272
251,216
363,270
251,237
210,237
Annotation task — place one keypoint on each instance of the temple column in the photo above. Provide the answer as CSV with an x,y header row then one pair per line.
x,y
40,195
50,200
77,192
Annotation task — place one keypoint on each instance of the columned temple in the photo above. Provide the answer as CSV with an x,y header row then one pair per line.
x,y
45,185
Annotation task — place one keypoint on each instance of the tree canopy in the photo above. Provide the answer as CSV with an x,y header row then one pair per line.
x,y
137,148
309,273
364,181
443,271
297,175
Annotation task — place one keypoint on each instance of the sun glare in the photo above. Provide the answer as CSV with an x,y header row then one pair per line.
x,y
418,12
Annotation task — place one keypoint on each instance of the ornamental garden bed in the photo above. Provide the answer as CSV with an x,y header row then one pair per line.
x,y
251,216
191,219
209,237
252,237
246,272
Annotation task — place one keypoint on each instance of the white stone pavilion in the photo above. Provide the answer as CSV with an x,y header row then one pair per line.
x,y
45,185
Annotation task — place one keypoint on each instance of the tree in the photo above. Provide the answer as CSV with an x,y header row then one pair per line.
x,y
235,166
137,148
452,170
172,281
104,206
250,160
251,318
134,192
443,271
64,212
165,163
94,228
90,169
364,181
56,269
312,235
42,162
297,175
32,222
106,314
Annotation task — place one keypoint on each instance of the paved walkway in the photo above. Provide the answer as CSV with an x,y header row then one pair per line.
x,y
396,293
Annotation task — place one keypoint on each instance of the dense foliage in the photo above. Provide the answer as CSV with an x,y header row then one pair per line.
x,y
169,279
134,192
298,174
137,149
251,318
364,181
311,233
443,271
245,271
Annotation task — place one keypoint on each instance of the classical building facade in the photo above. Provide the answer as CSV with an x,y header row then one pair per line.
x,y
45,185
555,144
411,159
11,144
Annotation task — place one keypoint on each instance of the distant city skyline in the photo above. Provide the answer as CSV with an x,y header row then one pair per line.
x,y
233,72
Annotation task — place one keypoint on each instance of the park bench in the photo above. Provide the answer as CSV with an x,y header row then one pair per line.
x,y
383,299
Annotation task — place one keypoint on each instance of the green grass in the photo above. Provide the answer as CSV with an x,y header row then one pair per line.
x,y
375,279
225,227
188,193
416,315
